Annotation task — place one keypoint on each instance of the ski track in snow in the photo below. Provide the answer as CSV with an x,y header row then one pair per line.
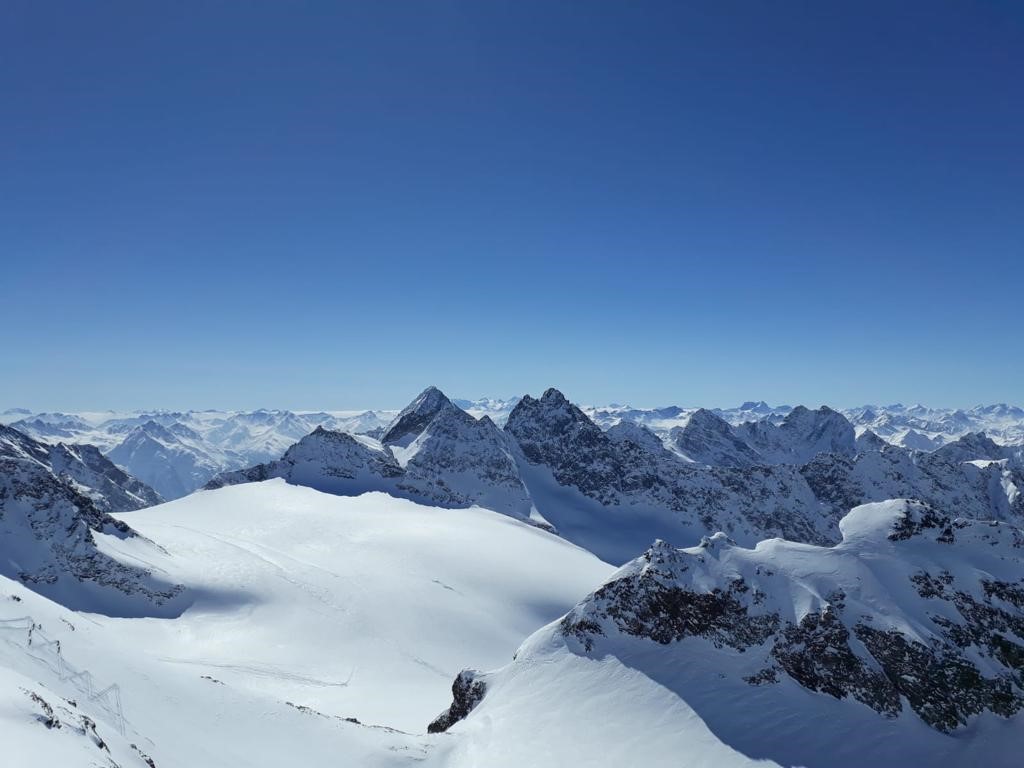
x,y
262,670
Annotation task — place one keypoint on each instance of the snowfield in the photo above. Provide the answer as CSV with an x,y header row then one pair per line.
x,y
361,608
319,630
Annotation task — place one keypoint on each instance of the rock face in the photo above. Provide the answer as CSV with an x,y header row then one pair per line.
x,y
461,461
467,691
110,488
910,629
710,439
869,441
625,470
802,435
982,488
901,565
84,467
554,433
439,455
47,528
415,417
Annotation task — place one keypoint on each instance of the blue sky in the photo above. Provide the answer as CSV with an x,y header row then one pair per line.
x,y
334,205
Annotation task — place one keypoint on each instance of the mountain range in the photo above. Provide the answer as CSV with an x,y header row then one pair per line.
x,y
761,585
176,452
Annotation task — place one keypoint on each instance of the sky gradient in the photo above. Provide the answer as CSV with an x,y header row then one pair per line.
x,y
330,205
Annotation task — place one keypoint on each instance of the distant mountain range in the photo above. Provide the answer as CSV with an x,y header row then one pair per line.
x,y
615,490
176,452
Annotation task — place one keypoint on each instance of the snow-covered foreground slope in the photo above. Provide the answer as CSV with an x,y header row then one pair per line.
x,y
174,717
372,596
902,645
361,608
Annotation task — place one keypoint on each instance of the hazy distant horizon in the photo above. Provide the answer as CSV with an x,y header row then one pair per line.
x,y
8,408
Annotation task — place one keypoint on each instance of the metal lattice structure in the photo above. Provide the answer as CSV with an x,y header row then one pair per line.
x,y
30,637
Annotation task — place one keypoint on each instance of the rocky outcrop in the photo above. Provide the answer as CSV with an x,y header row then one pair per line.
x,y
467,691
945,640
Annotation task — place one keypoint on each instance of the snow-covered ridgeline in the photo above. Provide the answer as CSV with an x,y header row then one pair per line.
x,y
868,652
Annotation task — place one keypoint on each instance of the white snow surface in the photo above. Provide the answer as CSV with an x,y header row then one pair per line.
x,y
361,607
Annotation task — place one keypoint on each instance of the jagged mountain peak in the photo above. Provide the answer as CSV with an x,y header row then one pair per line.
x,y
705,418
802,435
709,439
802,413
550,406
869,441
635,433
416,416
970,447
553,395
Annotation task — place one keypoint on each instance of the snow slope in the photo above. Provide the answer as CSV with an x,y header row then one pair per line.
x,y
42,728
358,608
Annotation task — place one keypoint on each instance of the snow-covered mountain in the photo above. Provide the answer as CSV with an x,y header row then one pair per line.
x,y
709,439
88,471
917,427
176,452
801,436
432,452
612,491
970,477
53,535
874,651
197,445
923,428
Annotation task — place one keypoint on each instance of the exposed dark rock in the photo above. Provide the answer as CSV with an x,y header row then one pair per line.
x,y
816,653
467,691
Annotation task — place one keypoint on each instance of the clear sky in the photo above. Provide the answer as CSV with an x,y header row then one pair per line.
x,y
293,204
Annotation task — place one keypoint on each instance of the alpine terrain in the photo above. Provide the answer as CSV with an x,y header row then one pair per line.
x,y
510,582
